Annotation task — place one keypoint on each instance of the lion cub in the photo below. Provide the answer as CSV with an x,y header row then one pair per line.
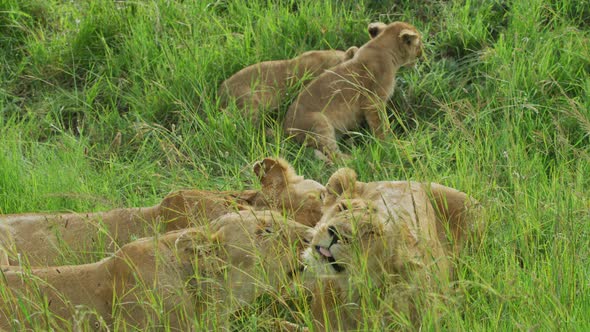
x,y
356,90
168,280
264,85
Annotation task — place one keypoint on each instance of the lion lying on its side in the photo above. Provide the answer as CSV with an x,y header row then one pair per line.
x,y
212,269
54,239
389,237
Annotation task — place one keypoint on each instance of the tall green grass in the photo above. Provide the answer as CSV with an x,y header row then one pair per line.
x,y
107,104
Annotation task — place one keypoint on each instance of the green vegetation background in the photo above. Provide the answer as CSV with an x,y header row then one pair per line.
x,y
107,104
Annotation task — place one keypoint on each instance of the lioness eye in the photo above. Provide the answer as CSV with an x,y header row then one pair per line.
x,y
266,230
343,206
334,234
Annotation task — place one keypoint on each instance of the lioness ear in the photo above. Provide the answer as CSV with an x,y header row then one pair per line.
x,y
375,29
342,182
409,37
274,172
351,52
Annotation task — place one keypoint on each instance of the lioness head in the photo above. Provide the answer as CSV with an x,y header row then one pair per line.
x,y
389,225
354,232
284,189
377,235
400,38
354,236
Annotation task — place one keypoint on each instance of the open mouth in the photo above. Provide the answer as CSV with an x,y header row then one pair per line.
x,y
326,254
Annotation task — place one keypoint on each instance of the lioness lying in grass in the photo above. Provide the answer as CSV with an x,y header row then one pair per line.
x,y
383,248
187,279
54,239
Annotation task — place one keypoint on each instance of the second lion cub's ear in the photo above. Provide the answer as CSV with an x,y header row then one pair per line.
x,y
351,52
341,183
274,172
376,28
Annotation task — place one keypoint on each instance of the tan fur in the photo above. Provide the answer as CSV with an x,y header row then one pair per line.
x,y
356,90
283,189
55,239
456,215
262,86
388,233
216,268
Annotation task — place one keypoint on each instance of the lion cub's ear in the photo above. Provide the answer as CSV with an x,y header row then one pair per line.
x,y
351,52
409,37
376,28
274,172
341,183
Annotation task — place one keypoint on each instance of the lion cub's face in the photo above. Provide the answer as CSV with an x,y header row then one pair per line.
x,y
401,39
